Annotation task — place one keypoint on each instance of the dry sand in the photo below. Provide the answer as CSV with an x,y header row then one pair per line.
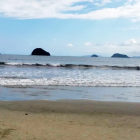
x,y
67,120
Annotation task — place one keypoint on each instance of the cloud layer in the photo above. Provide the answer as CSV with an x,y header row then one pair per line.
x,y
68,9
129,47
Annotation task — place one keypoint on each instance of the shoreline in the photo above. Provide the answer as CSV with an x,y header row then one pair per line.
x,y
73,106
21,93
69,119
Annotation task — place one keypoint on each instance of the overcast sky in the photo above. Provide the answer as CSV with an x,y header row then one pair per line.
x,y
70,27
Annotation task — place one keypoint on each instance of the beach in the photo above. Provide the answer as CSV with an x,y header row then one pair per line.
x,y
69,70
65,98
69,119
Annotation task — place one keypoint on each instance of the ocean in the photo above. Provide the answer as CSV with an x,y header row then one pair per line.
x,y
62,77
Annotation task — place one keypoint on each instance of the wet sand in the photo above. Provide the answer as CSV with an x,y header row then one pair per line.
x,y
69,119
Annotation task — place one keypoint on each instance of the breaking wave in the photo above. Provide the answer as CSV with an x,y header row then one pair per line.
x,y
71,66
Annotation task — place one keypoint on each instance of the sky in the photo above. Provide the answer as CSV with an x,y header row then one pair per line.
x,y
70,27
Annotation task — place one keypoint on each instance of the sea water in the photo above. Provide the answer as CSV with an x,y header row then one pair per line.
x,y
57,77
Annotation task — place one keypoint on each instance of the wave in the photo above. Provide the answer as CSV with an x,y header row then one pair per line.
x,y
69,82
12,77
70,66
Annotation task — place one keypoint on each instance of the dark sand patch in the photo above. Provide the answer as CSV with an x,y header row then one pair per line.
x,y
5,132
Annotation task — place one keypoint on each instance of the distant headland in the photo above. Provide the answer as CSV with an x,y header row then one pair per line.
x,y
40,51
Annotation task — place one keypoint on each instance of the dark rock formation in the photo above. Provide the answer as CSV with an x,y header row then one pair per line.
x,y
94,55
138,68
119,55
39,51
2,63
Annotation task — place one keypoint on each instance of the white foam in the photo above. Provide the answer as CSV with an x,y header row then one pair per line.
x,y
55,65
32,64
14,64
67,81
68,77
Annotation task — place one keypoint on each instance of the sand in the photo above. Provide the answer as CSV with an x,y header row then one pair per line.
x,y
67,120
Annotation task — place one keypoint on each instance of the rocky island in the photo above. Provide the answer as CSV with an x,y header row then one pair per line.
x,y
40,51
117,55
94,55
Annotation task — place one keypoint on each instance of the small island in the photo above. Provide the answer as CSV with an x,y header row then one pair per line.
x,y
94,55
40,51
117,55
